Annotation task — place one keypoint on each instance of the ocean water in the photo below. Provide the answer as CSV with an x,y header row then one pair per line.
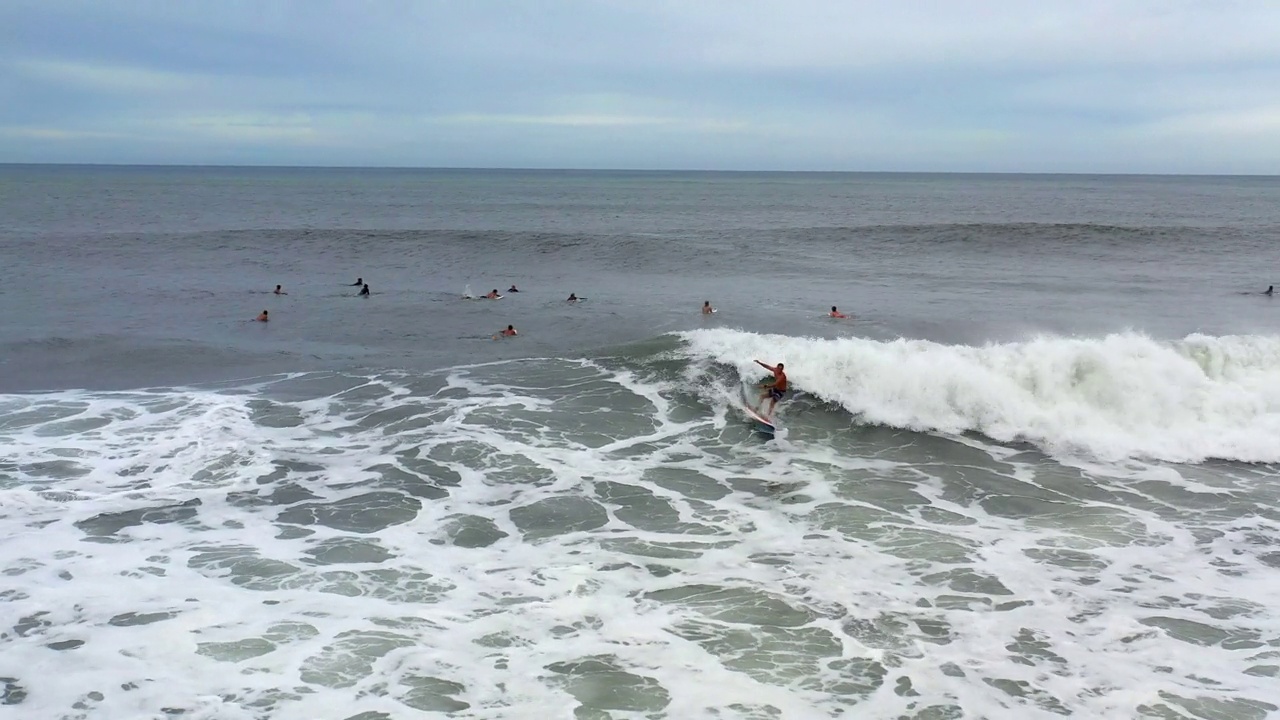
x,y
1034,477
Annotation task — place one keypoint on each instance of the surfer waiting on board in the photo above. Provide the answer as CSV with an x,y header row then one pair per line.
x,y
262,317
513,288
358,282
280,292
572,298
364,291
836,313
706,307
776,389
1271,289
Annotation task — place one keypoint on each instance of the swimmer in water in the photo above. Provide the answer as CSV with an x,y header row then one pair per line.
x,y
364,291
1270,290
513,288
280,292
836,313
706,307
358,282
262,317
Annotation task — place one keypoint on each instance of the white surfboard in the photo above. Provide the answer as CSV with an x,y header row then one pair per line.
x,y
762,423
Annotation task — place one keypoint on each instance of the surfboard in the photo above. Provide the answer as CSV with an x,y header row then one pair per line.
x,y
762,424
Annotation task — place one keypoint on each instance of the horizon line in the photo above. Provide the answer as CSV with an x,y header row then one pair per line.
x,y
451,168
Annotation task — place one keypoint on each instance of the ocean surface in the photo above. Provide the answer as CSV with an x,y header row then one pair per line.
x,y
1034,477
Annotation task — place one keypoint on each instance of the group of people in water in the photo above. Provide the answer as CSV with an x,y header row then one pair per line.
x,y
264,316
774,390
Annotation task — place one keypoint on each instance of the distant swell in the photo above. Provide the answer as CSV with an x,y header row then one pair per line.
x,y
1110,398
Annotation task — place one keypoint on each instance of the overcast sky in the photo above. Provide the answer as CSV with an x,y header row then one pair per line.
x,y
1176,86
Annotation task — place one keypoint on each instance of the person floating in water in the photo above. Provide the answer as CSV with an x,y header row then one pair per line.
x,y
358,282
493,294
509,332
262,317
1271,289
572,298
513,288
776,389
836,313
706,307
280,292
364,291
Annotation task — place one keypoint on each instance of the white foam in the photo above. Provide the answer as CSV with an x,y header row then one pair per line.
x,y
729,573
1123,395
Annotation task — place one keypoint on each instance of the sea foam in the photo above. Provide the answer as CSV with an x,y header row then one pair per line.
x,y
1114,397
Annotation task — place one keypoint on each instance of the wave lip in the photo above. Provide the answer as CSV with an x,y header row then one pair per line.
x,y
1121,396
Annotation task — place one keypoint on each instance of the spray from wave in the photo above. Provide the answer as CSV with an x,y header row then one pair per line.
x,y
1120,396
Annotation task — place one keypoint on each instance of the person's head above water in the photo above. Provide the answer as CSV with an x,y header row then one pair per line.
x,y
833,308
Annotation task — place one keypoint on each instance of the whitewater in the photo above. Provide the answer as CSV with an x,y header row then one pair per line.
x,y
514,539
1111,398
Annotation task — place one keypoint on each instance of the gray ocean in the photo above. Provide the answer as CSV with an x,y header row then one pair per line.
x,y
1033,475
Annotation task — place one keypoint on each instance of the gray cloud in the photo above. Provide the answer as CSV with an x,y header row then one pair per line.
x,y
1055,85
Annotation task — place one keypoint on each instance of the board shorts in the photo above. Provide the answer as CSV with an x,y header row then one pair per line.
x,y
776,394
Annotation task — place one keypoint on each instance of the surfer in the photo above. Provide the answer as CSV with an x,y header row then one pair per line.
x,y
706,307
262,317
572,298
1271,289
493,294
776,389
836,313
364,291
280,292
358,282
513,288
509,332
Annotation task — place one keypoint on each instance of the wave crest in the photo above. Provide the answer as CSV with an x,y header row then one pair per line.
x,y
1120,396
